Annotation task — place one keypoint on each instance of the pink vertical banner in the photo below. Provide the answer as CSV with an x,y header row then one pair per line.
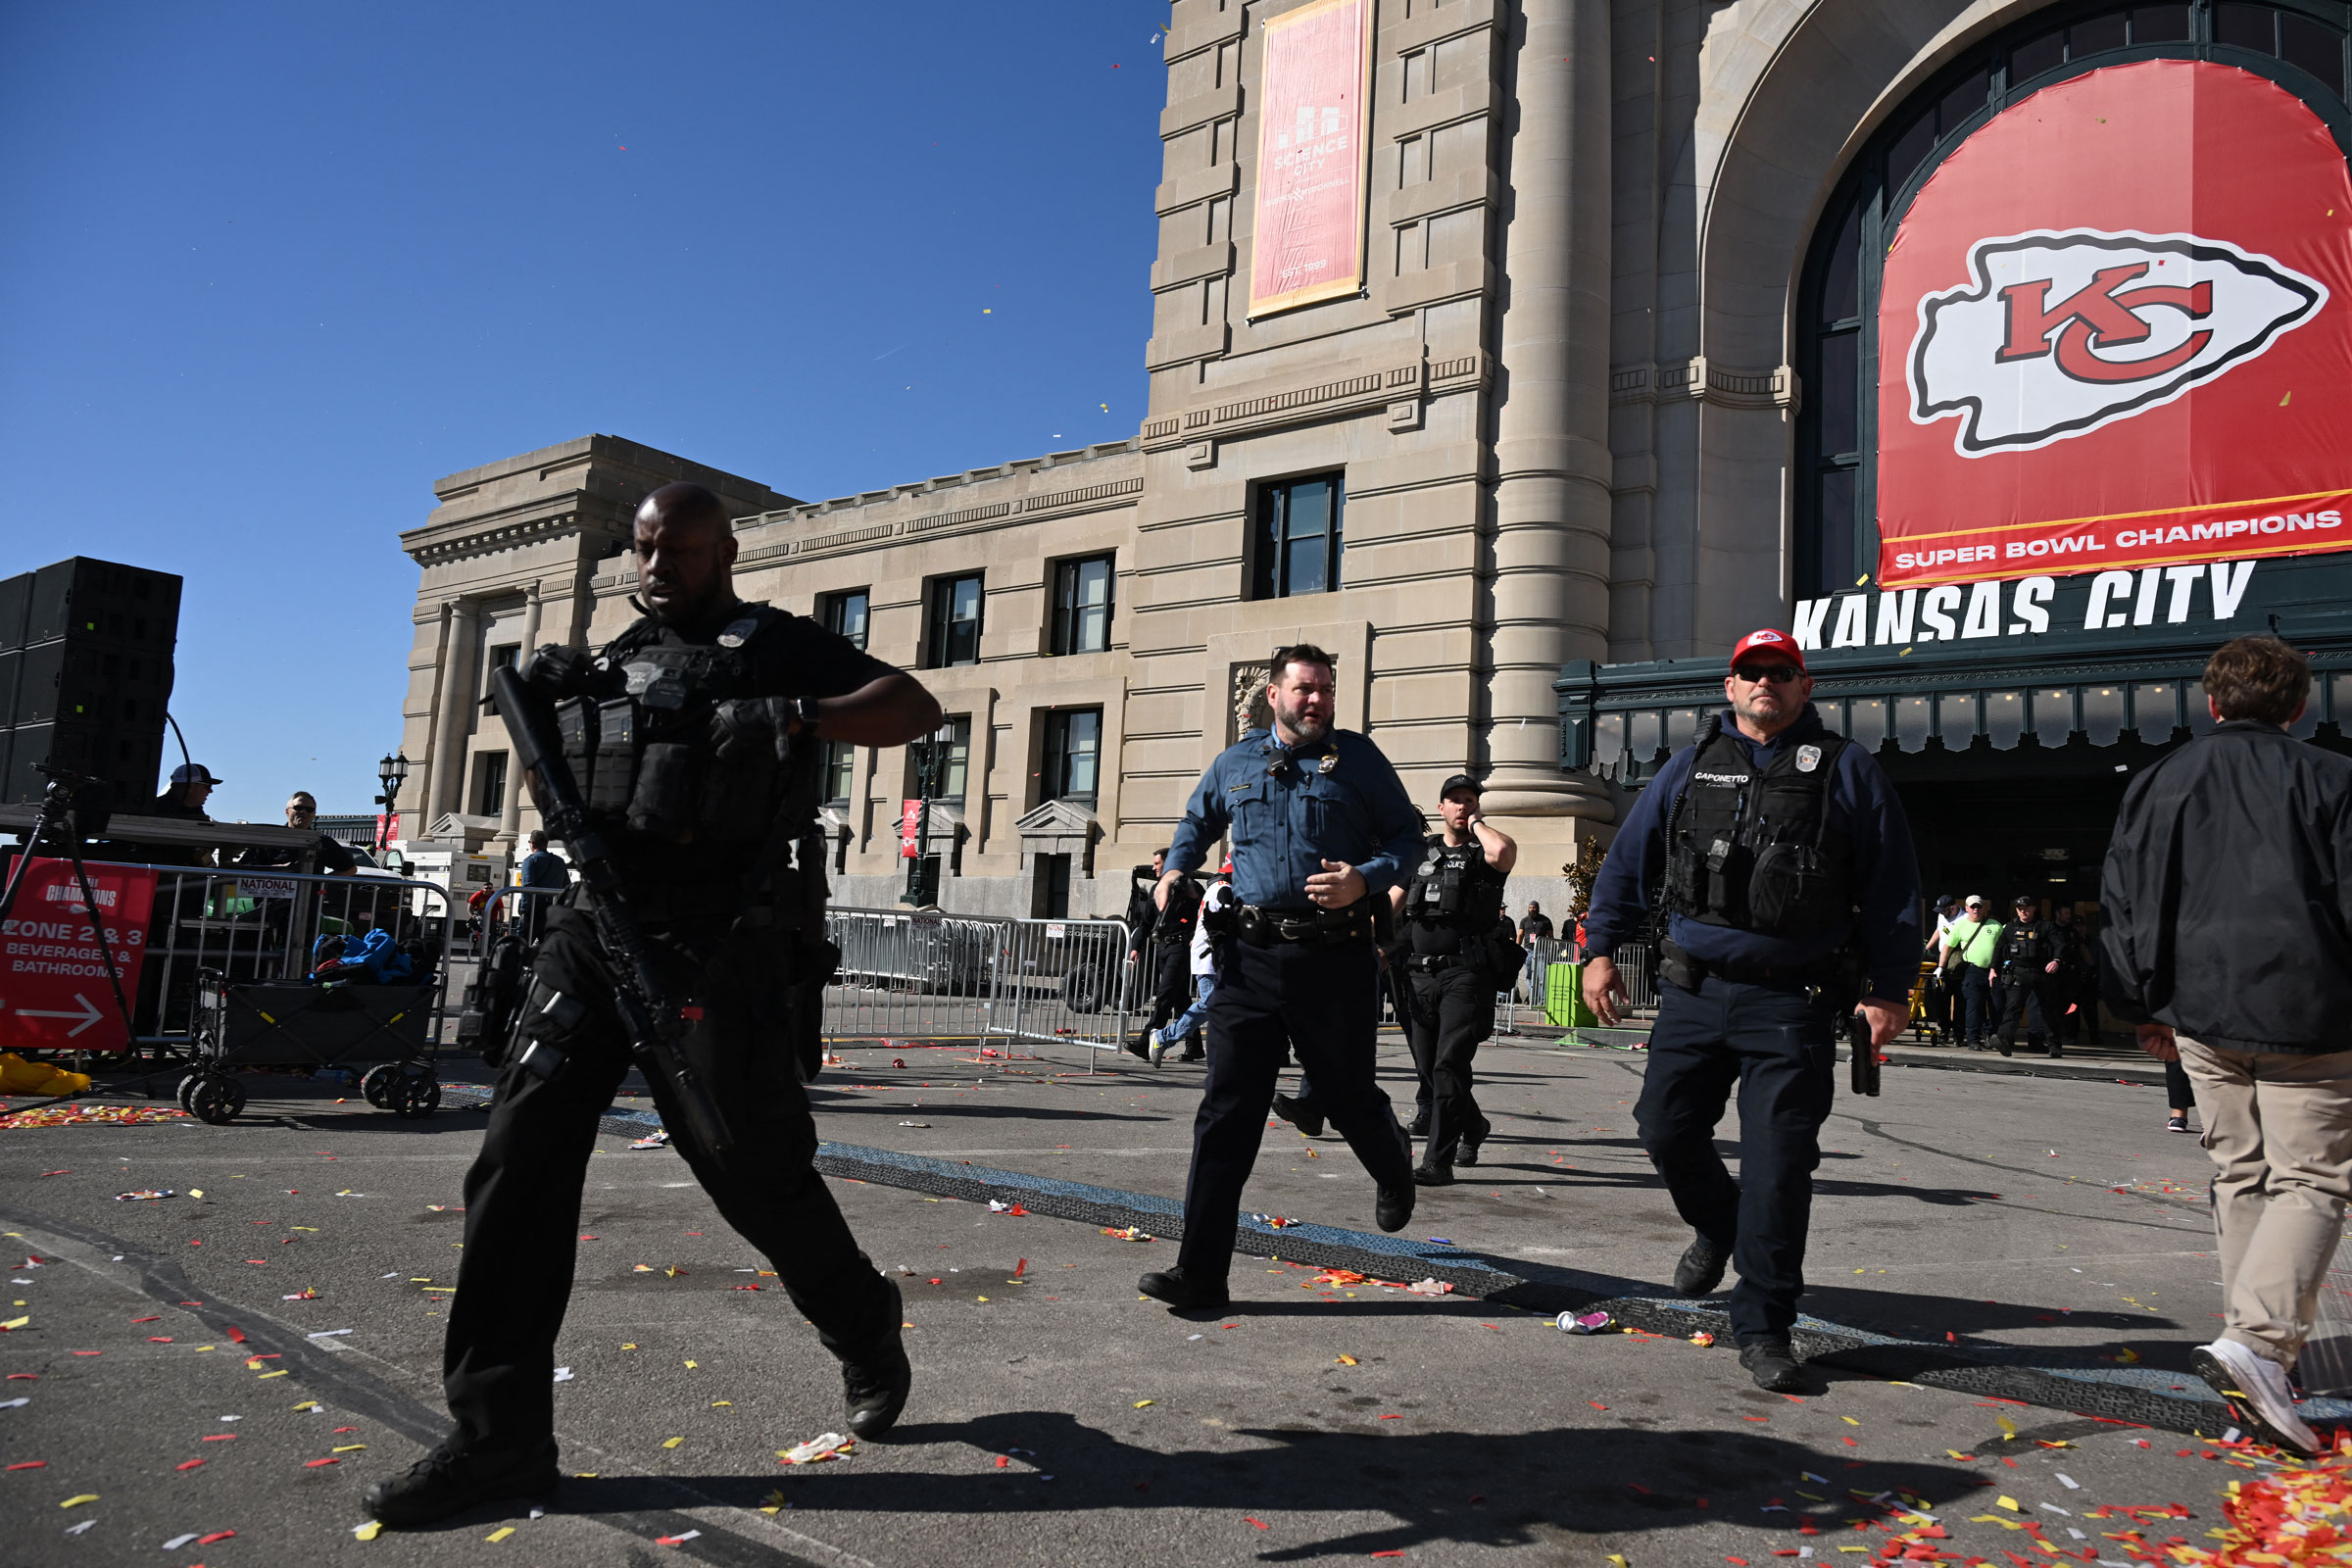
x,y
1313,118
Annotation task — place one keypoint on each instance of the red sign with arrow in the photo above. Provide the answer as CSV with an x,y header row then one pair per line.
x,y
54,993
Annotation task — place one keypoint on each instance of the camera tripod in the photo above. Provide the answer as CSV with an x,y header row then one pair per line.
x,y
61,821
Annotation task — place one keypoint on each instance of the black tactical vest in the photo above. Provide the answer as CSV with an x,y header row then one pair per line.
x,y
684,753
1453,890
1753,848
2024,943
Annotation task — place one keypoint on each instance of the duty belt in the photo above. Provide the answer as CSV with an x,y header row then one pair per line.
x,y
1265,927
1432,962
1680,968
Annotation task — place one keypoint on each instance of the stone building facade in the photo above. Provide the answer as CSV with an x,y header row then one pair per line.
x,y
1557,427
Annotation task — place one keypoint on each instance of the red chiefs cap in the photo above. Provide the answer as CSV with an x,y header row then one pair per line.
x,y
1768,641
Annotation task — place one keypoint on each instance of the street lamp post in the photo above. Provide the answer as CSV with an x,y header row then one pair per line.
x,y
933,758
391,772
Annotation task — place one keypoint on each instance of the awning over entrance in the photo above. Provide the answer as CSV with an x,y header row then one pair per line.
x,y
1621,721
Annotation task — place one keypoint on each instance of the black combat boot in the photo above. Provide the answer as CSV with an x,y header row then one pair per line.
x,y
1185,1292
1429,1175
1700,1268
1468,1153
1392,1209
449,1480
875,1383
1773,1364
1287,1107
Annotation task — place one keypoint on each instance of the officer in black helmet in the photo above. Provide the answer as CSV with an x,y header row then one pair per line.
x,y
1783,861
690,737
1451,908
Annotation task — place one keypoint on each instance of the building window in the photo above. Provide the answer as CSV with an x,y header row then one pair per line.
x,y
841,772
954,764
503,657
1073,751
1294,546
490,799
1837,303
953,636
1082,595
844,614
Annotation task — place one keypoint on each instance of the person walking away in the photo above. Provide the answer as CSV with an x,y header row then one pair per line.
x,y
1142,882
1783,860
1534,929
1974,936
707,799
2026,959
543,872
1451,910
1188,1025
2180,1096
1937,1002
1321,828
2228,899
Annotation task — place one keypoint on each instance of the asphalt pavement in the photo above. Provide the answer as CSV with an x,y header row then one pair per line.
x,y
2006,1271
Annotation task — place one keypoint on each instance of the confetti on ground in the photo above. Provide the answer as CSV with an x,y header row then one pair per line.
x,y
658,1139
82,1116
675,1541
368,1531
75,1501
144,1195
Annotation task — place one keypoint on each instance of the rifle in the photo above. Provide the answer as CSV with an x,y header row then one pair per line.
x,y
1863,1056
646,1016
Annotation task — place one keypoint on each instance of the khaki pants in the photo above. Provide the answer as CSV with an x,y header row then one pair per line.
x,y
2279,1125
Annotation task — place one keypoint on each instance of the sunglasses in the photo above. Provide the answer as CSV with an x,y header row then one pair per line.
x,y
1778,674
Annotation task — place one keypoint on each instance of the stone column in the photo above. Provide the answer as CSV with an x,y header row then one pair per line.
x,y
1551,438
458,655
419,805
511,827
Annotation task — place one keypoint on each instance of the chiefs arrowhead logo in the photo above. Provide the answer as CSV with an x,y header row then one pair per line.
x,y
2062,333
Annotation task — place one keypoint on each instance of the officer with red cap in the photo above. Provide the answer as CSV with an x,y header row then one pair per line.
x,y
1780,861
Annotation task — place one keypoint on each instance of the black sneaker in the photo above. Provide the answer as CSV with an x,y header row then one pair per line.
x,y
875,1385
1420,1126
1467,1152
448,1482
2002,1046
1433,1175
1394,1208
1140,1045
1700,1268
1287,1107
1184,1292
2056,1050
1773,1364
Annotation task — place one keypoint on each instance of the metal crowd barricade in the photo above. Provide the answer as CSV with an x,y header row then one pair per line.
x,y
924,975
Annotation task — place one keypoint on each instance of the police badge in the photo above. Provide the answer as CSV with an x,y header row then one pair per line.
x,y
1808,758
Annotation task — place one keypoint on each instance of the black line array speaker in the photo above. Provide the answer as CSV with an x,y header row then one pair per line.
x,y
85,674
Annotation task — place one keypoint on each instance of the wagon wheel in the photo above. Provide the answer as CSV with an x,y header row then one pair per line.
x,y
376,1084
188,1091
415,1093
216,1100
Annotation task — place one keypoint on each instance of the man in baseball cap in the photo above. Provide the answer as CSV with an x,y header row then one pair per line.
x,y
191,784
1454,959
1783,863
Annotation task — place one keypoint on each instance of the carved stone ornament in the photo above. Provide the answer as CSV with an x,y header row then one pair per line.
x,y
1249,707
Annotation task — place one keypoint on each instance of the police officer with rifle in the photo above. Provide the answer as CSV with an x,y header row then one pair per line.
x,y
2028,957
680,767
1782,860
1455,952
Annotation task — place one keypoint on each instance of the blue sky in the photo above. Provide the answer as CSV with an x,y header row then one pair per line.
x,y
269,270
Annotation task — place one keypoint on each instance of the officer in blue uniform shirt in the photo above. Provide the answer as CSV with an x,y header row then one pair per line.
x,y
1783,860
1321,826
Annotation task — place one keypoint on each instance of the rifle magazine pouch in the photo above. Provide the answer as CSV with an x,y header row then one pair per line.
x,y
662,804
576,722
1794,888
616,758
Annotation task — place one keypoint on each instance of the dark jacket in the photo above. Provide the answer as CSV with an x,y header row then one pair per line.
x,y
1863,806
1141,912
2228,894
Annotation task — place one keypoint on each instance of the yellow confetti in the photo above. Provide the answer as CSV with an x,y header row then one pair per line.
x,y
351,1447
717,1404
983,1297
2009,1504
673,1443
691,1363
1140,1403
1346,1360
2283,402
202,1348
499,1533
1850,1420
629,1346
2007,1426
1955,1453
195,1191
75,1503
16,1322
1618,1559
266,1376
369,1531
308,1404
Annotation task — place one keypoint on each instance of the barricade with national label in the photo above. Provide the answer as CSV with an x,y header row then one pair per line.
x,y
922,975
228,969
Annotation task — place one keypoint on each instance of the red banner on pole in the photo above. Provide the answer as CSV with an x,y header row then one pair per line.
x,y
2115,329
911,826
1313,117
53,986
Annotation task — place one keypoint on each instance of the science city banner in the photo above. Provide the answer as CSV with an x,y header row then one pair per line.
x,y
2115,330
1313,117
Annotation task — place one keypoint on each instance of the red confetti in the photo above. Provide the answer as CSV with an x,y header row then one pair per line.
x,y
1596,1404
219,1437
30,1464
236,1336
89,1352
57,1173
313,1464
189,1465
1020,1269
27,1376
217,1535
138,1320
1260,1523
